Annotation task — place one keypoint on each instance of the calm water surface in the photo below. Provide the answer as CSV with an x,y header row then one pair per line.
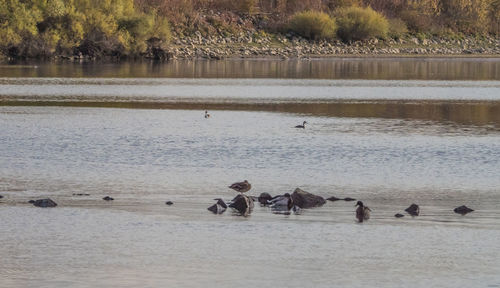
x,y
390,142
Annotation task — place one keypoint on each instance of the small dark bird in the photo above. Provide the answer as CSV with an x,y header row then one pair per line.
x,y
399,215
462,210
241,186
107,198
169,203
363,212
413,210
206,114
303,126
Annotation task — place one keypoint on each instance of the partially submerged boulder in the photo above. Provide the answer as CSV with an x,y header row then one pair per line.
x,y
462,210
304,199
44,203
333,198
413,210
264,197
219,207
399,215
242,203
169,203
107,198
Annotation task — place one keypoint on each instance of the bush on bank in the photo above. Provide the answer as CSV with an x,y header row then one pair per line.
x,y
358,23
313,25
38,28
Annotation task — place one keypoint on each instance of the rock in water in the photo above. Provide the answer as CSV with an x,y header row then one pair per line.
x,y
413,210
399,215
462,210
349,199
169,203
243,204
44,203
107,198
333,198
219,207
306,200
264,197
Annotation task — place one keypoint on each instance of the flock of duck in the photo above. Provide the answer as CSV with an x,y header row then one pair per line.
x,y
285,203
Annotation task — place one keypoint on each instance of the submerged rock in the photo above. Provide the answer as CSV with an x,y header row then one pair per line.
x,y
462,210
219,207
107,198
44,203
243,204
81,194
264,197
169,203
413,210
349,199
305,199
398,215
333,198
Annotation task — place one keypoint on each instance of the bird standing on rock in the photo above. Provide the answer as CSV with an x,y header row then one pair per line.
x,y
241,186
363,212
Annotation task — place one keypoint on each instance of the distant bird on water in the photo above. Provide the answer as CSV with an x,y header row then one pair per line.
x,y
303,126
241,186
206,114
363,212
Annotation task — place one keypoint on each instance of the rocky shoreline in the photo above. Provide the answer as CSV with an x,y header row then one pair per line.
x,y
250,46
255,45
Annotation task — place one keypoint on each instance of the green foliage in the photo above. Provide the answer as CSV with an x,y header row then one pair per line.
x,y
61,25
397,28
313,25
357,23
247,6
17,20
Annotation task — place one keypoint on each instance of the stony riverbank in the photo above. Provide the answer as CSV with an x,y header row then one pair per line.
x,y
263,45
287,46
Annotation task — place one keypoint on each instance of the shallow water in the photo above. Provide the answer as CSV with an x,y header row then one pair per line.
x,y
389,143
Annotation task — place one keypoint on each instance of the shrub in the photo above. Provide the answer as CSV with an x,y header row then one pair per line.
x,y
397,28
247,6
313,25
357,23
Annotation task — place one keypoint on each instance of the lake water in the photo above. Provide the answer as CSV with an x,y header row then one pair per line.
x,y
389,132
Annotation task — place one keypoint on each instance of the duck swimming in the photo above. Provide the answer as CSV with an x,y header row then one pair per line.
x,y
303,126
363,212
241,186
206,114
